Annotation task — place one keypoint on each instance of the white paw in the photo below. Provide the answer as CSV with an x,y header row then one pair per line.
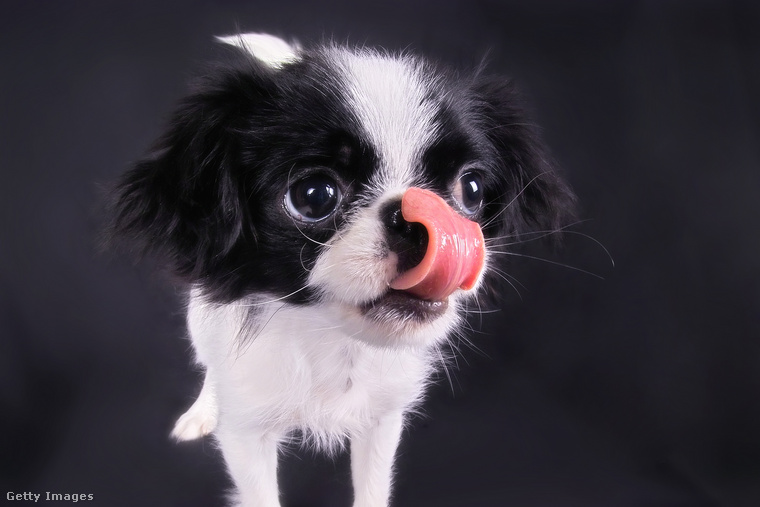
x,y
197,422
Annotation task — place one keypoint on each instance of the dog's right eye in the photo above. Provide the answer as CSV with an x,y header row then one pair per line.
x,y
313,198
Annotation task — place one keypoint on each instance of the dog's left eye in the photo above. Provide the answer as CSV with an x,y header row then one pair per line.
x,y
312,198
468,192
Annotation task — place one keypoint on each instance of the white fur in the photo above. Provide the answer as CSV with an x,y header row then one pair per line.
x,y
200,420
389,94
273,368
269,49
356,267
299,370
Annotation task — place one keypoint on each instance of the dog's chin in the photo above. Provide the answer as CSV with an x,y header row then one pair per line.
x,y
399,319
401,306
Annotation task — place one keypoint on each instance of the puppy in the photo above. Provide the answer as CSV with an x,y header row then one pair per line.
x,y
333,212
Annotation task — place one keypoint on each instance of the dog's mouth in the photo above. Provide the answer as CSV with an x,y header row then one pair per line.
x,y
397,305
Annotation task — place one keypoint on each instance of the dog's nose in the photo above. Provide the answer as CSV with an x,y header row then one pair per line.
x,y
408,240
439,250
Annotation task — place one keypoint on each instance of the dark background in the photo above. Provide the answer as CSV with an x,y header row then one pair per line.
x,y
641,389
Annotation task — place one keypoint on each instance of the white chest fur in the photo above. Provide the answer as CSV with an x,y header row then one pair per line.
x,y
294,368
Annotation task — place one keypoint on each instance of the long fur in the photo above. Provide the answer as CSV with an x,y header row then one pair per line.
x,y
274,301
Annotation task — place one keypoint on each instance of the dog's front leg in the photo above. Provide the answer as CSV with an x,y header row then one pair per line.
x,y
201,418
251,458
372,454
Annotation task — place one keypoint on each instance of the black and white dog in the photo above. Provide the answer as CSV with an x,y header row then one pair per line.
x,y
333,211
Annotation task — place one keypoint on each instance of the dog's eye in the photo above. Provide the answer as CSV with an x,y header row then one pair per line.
x,y
312,198
468,192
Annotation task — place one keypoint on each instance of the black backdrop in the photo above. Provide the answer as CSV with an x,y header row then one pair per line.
x,y
641,389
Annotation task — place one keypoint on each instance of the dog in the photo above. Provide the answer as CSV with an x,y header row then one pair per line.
x,y
332,211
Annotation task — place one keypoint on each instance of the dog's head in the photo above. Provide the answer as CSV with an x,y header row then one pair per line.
x,y
350,179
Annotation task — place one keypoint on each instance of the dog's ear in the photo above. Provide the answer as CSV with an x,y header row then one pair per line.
x,y
531,193
185,200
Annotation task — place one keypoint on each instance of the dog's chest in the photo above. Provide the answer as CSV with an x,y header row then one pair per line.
x,y
348,382
300,372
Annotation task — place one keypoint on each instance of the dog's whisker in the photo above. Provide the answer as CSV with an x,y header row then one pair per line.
x,y
599,243
300,259
261,303
558,231
568,266
510,203
326,245
538,235
480,312
444,365
244,342
508,278
516,124
465,340
331,328
542,232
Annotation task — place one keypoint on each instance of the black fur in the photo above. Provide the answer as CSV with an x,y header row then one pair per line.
x,y
531,188
209,197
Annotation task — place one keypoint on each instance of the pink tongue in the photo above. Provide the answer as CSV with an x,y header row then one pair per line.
x,y
455,251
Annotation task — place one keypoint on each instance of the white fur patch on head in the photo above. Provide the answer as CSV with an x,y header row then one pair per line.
x,y
394,101
269,49
391,98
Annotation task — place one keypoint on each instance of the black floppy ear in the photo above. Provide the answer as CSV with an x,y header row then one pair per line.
x,y
185,200
531,193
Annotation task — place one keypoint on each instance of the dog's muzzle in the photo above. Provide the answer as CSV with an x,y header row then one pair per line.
x,y
439,250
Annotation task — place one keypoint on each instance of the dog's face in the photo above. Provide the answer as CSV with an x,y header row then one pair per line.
x,y
286,175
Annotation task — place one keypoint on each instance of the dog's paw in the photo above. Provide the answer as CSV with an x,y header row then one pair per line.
x,y
197,422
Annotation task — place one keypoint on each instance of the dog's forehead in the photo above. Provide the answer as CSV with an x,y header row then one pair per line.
x,y
394,100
